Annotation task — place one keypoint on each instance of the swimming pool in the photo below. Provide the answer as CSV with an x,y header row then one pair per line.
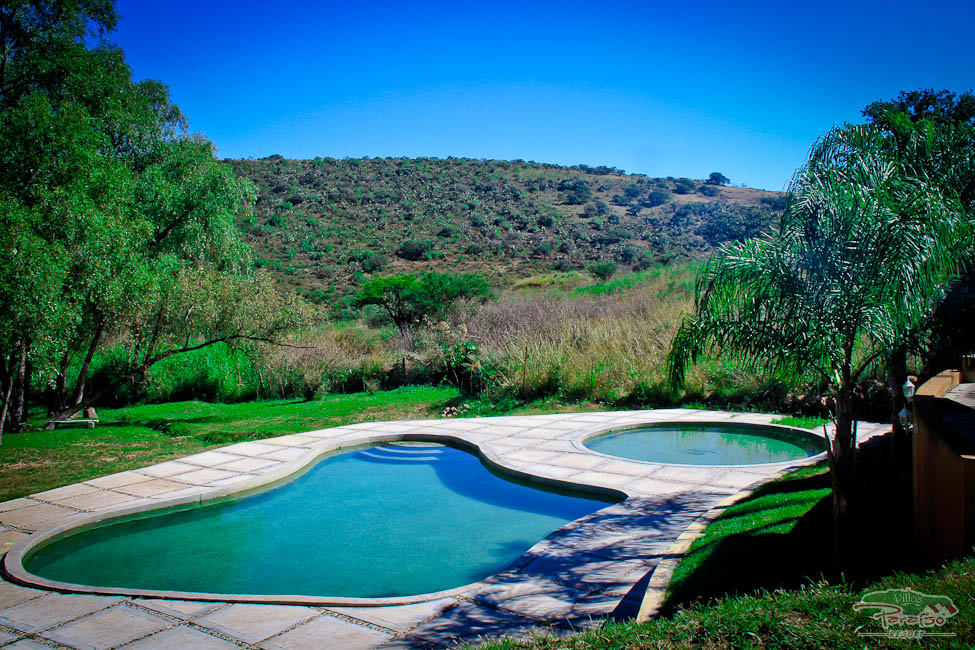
x,y
381,521
709,443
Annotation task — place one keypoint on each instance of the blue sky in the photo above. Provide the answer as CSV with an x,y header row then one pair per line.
x,y
664,89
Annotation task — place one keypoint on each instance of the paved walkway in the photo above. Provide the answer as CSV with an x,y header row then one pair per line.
x,y
596,567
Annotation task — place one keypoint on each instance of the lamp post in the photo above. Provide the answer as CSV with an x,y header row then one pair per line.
x,y
905,415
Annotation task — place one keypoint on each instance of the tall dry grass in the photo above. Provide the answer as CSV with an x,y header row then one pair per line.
x,y
596,345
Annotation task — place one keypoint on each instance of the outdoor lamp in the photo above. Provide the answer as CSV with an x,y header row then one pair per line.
x,y
905,417
908,388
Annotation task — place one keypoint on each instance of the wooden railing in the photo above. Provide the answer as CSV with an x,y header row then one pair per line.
x,y
944,470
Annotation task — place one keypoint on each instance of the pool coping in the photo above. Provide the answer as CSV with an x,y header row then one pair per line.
x,y
507,444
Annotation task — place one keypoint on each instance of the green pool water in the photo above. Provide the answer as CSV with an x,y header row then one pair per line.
x,y
689,443
381,521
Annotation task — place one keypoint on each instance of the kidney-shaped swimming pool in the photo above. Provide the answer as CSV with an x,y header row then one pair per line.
x,y
383,521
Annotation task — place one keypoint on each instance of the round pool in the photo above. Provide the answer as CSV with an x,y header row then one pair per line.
x,y
709,443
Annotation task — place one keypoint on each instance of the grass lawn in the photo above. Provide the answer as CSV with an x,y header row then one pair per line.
x,y
136,436
762,577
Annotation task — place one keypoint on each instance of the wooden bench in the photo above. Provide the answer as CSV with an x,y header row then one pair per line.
x,y
90,423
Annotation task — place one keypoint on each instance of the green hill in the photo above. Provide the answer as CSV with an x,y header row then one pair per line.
x,y
322,224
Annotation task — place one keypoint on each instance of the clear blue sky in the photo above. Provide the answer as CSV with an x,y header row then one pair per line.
x,y
661,88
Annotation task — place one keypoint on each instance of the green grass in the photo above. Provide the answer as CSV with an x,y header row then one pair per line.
x,y
818,616
802,422
734,554
761,577
132,437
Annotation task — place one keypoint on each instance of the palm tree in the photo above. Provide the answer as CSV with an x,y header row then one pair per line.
x,y
863,255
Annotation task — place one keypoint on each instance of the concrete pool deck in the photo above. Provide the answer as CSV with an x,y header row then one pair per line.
x,y
612,563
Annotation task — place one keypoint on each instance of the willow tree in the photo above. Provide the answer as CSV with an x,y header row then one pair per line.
x,y
115,221
863,254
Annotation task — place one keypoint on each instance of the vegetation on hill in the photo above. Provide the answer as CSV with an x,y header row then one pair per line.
x,y
323,224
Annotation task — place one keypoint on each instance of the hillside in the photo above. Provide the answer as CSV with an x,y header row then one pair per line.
x,y
321,224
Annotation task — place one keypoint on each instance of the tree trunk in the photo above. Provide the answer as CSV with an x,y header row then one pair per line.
x,y
81,383
18,390
57,397
841,470
5,379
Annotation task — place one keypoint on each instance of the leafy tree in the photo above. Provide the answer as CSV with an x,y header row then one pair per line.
x,y
717,178
410,300
108,209
939,106
863,255
684,186
934,131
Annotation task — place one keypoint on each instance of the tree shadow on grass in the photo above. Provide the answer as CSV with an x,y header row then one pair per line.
x,y
766,557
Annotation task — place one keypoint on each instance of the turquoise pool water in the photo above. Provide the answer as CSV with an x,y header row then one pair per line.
x,y
689,443
381,521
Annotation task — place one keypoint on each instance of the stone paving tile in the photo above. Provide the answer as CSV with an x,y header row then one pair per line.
x,y
181,638
580,460
5,637
653,486
286,453
629,468
118,480
203,476
184,492
601,478
254,623
400,617
396,427
151,488
687,474
51,609
536,597
471,622
107,628
163,470
251,464
210,458
327,632
459,425
528,456
98,500
504,432
28,644
66,492
581,571
35,517
554,471
9,537
736,479
16,504
557,445
179,608
11,594
237,478
252,448
296,440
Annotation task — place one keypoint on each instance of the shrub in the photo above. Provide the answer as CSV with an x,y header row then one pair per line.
x,y
414,250
684,186
709,190
602,270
